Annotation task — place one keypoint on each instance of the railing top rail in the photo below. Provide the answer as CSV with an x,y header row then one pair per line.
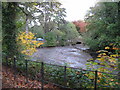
x,y
74,67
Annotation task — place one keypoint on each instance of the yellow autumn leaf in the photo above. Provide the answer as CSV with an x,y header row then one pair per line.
x,y
107,47
27,40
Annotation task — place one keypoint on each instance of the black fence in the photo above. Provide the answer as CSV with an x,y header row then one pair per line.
x,y
62,76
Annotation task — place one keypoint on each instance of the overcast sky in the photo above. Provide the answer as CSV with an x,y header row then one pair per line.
x,y
76,9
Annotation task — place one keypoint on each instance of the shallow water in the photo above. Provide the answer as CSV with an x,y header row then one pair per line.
x,y
73,56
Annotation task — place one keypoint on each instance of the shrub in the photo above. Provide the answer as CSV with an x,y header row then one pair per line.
x,y
106,62
39,31
27,43
50,38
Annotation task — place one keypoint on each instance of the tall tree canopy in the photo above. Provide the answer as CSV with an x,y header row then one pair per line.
x,y
102,25
47,14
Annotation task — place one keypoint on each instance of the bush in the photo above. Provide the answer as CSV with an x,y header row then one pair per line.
x,y
105,62
59,37
38,30
50,38
27,43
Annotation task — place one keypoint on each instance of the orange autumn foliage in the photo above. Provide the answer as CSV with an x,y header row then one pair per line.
x,y
81,25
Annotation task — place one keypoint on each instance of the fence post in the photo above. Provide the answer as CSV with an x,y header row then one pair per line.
x,y
65,81
42,75
14,67
95,87
6,64
6,60
26,67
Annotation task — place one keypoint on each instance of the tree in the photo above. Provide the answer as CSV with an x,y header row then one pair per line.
x,y
9,28
48,14
1,30
80,25
28,9
51,15
102,25
71,33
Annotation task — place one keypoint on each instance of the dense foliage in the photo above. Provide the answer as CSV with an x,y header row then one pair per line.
x,y
102,28
65,35
9,30
27,43
103,31
106,61
80,25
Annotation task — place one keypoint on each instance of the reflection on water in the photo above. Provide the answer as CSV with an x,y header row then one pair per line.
x,y
67,55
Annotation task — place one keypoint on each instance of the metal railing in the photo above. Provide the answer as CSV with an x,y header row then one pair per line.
x,y
65,77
